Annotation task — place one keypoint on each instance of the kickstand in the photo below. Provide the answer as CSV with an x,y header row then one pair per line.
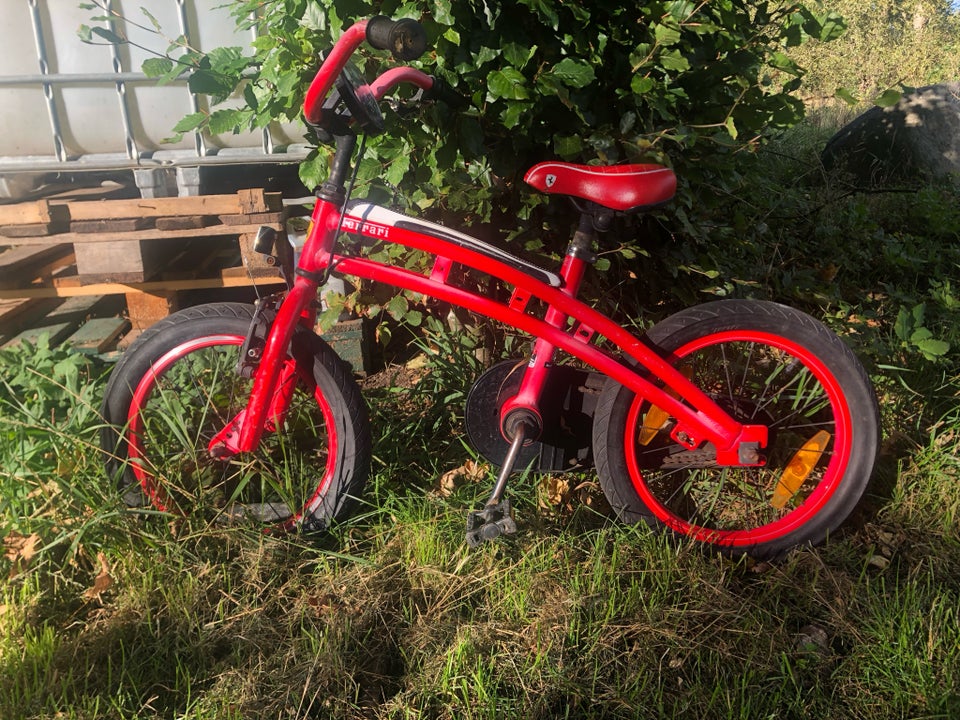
x,y
496,519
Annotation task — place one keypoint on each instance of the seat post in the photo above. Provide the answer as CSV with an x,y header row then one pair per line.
x,y
584,240
580,254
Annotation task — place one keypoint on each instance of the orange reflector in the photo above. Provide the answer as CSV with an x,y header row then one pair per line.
x,y
799,469
655,418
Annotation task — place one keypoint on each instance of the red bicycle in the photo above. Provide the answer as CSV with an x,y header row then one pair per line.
x,y
742,424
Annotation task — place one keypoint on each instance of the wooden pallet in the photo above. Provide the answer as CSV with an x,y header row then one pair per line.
x,y
133,240
62,252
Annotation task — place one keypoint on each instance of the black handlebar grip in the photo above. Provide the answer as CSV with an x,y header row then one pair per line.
x,y
405,38
444,92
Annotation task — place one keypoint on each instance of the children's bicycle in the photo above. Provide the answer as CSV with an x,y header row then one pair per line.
x,y
742,424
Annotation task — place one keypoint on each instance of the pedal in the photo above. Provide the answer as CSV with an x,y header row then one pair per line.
x,y
490,523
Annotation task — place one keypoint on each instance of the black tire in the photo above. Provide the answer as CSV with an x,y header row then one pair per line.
x,y
176,387
764,363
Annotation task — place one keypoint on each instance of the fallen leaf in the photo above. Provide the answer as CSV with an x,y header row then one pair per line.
x,y
19,550
103,580
557,491
470,471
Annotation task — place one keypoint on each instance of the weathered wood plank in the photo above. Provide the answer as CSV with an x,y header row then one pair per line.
x,y
56,332
124,261
185,222
17,314
265,218
146,308
151,234
86,227
174,206
36,212
22,264
71,286
32,230
98,334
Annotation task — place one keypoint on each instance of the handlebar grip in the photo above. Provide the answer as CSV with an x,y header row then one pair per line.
x,y
442,90
405,38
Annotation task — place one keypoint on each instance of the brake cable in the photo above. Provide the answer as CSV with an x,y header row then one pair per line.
x,y
343,210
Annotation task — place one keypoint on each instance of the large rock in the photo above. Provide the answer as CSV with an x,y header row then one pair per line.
x,y
919,136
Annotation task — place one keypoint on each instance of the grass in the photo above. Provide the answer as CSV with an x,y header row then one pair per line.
x,y
106,614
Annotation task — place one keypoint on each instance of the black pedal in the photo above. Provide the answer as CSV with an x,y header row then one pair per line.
x,y
490,523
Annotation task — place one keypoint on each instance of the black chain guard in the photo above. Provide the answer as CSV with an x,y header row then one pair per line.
x,y
568,404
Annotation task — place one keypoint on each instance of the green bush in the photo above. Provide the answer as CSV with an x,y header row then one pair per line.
x,y
888,44
678,82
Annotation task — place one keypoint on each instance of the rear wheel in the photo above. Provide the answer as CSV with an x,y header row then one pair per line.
x,y
764,364
177,387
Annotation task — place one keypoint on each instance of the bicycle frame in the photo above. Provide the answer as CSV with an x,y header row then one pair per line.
x,y
567,324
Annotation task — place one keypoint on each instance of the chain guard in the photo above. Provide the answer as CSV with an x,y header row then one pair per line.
x,y
567,405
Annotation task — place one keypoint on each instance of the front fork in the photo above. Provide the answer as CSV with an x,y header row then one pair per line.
x,y
276,376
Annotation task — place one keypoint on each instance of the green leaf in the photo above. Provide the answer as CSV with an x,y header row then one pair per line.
x,y
567,146
731,127
510,117
398,306
508,83
888,98
108,35
933,349
313,170
544,8
442,12
452,35
919,312
641,85
228,121
833,26
785,64
666,35
190,122
207,82
314,17
397,169
156,67
845,95
573,73
518,55
674,60
152,19
903,325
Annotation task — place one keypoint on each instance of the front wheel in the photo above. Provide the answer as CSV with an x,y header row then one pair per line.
x,y
764,364
177,387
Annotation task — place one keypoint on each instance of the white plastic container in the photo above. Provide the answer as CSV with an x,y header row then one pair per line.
x,y
67,106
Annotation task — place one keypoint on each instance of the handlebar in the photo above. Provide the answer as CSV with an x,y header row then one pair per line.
x,y
404,38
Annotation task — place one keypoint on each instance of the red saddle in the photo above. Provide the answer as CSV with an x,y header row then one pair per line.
x,y
627,188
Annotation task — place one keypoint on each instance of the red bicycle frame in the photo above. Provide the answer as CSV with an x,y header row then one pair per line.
x,y
568,324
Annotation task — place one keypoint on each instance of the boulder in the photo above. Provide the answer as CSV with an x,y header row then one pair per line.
x,y
919,136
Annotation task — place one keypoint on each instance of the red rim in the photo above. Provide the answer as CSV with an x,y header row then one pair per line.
x,y
813,504
141,397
